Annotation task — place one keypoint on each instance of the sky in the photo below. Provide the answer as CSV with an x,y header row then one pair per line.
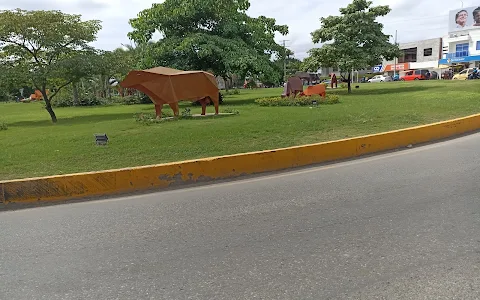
x,y
414,19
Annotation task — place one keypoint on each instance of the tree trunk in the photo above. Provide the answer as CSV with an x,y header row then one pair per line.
x,y
75,93
349,83
48,106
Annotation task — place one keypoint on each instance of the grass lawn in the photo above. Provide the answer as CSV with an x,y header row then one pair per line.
x,y
33,146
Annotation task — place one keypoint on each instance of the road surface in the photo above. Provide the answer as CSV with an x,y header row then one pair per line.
x,y
404,225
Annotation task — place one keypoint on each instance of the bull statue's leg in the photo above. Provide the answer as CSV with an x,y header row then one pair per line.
x,y
203,102
175,108
215,104
158,111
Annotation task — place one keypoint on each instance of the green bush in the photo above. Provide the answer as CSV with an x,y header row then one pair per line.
x,y
83,100
186,113
251,84
132,99
331,99
129,100
66,100
298,101
232,92
3,126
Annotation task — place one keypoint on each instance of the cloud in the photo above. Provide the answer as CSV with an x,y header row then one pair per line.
x,y
413,19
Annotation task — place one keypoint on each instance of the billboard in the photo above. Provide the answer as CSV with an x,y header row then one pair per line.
x,y
464,18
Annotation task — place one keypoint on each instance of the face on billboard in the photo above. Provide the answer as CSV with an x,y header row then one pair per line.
x,y
464,18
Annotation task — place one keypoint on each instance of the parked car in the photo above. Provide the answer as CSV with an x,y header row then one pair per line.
x,y
380,78
415,75
463,75
434,75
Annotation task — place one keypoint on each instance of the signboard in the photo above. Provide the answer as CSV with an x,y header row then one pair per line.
x,y
400,67
453,60
464,18
377,69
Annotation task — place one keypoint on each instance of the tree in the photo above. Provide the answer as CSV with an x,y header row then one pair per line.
x,y
46,45
10,80
210,35
287,63
354,40
83,64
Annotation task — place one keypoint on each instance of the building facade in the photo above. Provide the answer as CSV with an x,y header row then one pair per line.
x,y
419,55
461,46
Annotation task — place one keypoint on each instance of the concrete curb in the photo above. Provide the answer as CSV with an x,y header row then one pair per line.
x,y
65,187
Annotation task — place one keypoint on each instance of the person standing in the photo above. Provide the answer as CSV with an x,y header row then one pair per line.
x,y
333,80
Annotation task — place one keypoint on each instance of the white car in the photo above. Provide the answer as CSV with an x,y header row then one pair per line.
x,y
380,78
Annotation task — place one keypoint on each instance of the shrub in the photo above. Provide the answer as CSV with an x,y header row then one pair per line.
x,y
232,92
83,100
186,113
129,100
331,99
251,84
132,99
3,126
298,101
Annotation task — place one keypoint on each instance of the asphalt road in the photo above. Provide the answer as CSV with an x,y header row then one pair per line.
x,y
403,225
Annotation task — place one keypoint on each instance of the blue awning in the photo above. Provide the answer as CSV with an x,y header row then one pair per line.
x,y
453,60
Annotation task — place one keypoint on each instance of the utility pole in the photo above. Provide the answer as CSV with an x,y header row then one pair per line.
x,y
284,60
395,58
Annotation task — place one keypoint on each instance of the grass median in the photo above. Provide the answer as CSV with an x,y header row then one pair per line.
x,y
32,146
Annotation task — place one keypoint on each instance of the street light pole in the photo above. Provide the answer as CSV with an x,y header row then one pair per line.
x,y
395,59
462,3
284,60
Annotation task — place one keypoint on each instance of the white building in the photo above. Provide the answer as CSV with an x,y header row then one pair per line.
x,y
419,55
461,46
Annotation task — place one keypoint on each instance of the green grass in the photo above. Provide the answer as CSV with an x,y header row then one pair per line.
x,y
33,146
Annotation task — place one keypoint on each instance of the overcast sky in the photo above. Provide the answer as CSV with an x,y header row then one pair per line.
x,y
414,19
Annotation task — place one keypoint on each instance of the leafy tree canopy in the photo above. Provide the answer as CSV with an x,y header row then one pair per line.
x,y
47,47
353,40
292,64
210,35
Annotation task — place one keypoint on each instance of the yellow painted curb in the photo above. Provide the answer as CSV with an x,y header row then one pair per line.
x,y
54,188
